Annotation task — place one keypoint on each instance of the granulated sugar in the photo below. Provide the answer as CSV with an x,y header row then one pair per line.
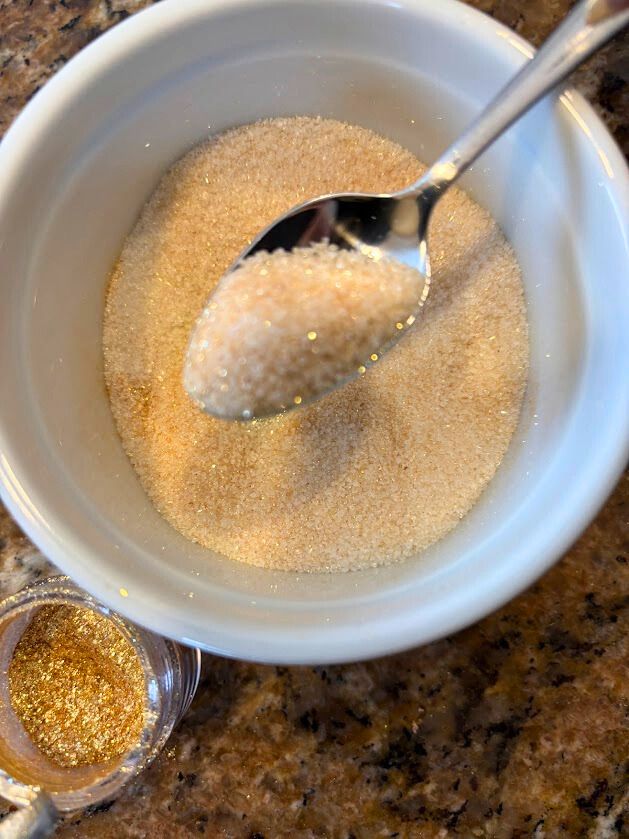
x,y
375,471
284,328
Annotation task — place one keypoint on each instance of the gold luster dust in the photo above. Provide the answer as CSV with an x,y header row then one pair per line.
x,y
77,686
377,470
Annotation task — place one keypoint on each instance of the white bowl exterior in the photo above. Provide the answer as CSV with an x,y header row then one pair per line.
x,y
75,170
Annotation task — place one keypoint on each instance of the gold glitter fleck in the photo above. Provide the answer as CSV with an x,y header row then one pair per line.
x,y
399,326
312,336
297,400
77,686
123,592
374,356
361,369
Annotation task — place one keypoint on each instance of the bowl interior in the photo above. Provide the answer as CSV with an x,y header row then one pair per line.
x,y
84,158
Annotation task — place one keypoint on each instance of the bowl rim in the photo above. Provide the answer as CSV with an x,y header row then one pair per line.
x,y
28,504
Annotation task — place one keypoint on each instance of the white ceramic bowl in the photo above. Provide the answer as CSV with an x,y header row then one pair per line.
x,y
75,170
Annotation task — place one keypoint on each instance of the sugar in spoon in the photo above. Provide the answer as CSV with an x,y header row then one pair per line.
x,y
245,361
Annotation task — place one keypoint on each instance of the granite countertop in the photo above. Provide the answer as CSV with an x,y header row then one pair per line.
x,y
515,727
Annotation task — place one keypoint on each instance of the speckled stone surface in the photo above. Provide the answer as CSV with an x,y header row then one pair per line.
x,y
513,728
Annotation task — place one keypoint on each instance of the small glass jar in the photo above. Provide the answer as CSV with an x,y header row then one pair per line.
x,y
171,676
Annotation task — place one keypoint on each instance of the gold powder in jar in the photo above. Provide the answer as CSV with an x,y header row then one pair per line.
x,y
77,686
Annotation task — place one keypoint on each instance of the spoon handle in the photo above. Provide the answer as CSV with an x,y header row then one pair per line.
x,y
590,25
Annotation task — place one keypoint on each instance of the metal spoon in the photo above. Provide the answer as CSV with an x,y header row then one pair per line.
x,y
396,225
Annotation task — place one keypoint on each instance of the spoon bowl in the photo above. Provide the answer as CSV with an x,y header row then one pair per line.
x,y
376,225
298,305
